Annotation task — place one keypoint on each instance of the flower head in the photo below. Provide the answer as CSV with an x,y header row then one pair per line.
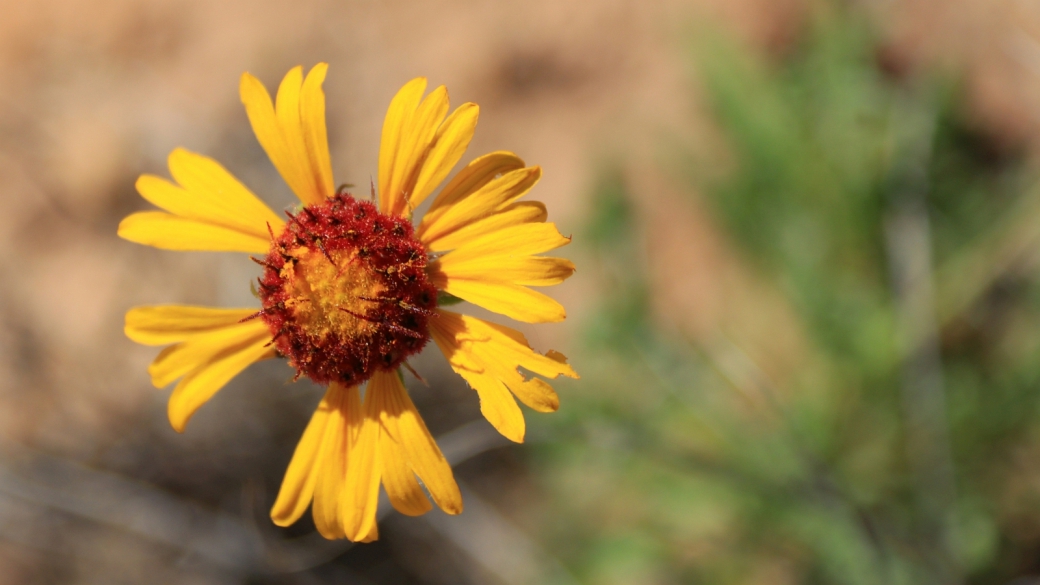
x,y
350,290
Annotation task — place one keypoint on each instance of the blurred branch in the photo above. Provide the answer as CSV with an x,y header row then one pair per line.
x,y
494,543
112,500
965,278
908,247
817,487
226,541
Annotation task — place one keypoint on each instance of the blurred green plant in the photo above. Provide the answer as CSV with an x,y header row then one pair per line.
x,y
905,448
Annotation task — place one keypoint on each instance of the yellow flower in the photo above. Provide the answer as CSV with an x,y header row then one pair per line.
x,y
349,291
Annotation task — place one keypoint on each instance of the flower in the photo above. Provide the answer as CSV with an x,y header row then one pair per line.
x,y
350,290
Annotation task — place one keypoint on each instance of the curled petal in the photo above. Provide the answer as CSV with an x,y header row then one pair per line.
x,y
489,357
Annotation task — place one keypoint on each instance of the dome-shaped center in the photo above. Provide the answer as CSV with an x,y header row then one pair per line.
x,y
344,291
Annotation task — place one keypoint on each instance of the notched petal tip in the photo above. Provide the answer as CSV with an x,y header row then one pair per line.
x,y
453,508
562,359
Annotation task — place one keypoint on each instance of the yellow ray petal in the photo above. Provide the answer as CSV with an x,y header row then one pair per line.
x,y
165,324
482,203
297,152
492,270
169,232
360,499
515,241
210,193
497,405
315,134
525,270
419,147
287,112
334,460
488,356
513,214
298,484
180,359
479,172
373,534
404,491
537,394
260,111
448,146
393,151
510,346
199,385
403,425
416,138
512,300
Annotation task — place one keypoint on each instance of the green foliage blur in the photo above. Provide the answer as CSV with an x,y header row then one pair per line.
x,y
904,447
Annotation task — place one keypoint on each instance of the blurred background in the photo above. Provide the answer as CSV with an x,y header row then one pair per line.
x,y
807,310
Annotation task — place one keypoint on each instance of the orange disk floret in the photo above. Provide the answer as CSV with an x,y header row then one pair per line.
x,y
345,292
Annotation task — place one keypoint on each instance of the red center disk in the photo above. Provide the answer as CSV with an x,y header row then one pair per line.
x,y
345,292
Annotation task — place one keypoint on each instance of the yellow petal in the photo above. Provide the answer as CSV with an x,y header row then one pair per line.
x,y
512,300
299,154
333,462
393,149
489,356
260,110
165,324
513,214
178,360
198,386
492,270
497,405
169,232
287,112
515,241
481,203
373,534
416,138
312,116
537,394
419,147
401,421
404,491
208,210
210,193
360,499
525,270
298,485
479,172
450,143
